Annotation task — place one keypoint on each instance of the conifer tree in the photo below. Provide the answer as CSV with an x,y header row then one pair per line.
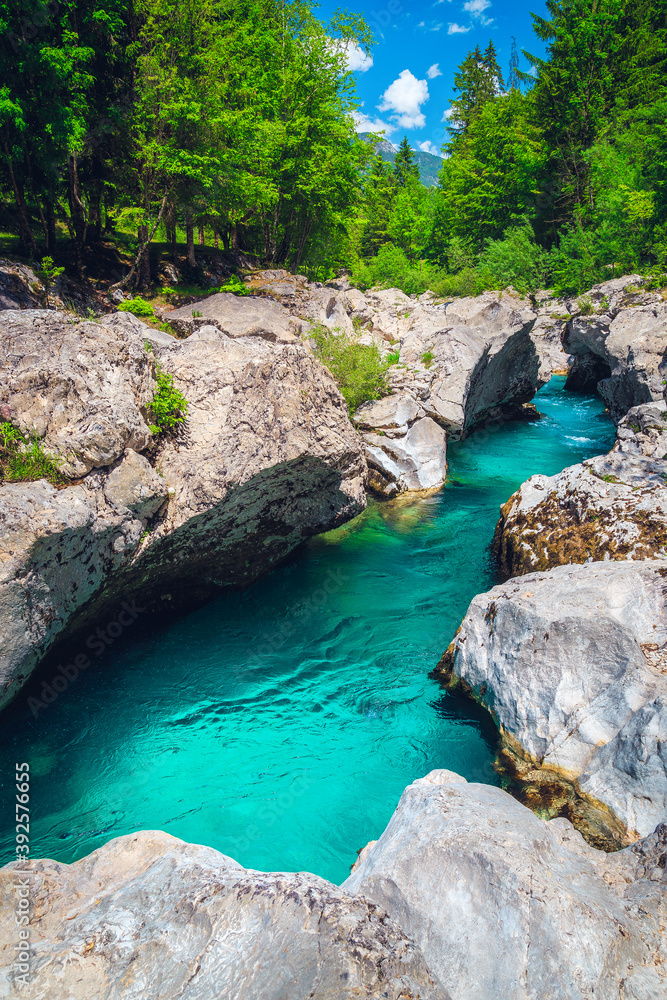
x,y
405,165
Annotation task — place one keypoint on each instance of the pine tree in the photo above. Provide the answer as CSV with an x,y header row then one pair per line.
x,y
478,80
513,79
405,165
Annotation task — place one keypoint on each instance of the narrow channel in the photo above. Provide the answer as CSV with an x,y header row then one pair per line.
x,y
290,751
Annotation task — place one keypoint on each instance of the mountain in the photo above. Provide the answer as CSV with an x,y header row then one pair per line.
x,y
429,165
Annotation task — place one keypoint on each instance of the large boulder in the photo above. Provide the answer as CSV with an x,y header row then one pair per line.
x,y
267,458
150,916
406,450
503,904
478,355
609,507
621,345
237,316
573,666
82,388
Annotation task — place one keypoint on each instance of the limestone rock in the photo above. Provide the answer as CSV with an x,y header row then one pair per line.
x,y
405,450
610,507
82,388
479,354
268,457
503,904
148,915
573,666
237,316
20,288
623,350
134,484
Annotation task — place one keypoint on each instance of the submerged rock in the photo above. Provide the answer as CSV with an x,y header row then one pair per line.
x,y
610,507
573,666
267,458
505,905
148,915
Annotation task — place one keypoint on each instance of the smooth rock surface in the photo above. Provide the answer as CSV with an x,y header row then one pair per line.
x,y
573,666
237,317
150,916
504,905
612,506
267,458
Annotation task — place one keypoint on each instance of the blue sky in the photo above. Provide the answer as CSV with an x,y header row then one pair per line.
x,y
407,84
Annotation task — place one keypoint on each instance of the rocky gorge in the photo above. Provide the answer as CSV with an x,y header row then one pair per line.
x,y
467,894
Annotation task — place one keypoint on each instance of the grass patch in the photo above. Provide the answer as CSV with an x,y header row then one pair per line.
x,y
137,306
427,359
358,369
23,461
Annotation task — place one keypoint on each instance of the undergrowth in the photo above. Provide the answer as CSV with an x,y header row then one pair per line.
x,y
168,407
359,369
23,460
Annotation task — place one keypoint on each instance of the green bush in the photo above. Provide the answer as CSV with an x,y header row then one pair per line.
x,y
467,282
393,358
514,260
235,286
358,369
169,407
392,269
24,461
137,306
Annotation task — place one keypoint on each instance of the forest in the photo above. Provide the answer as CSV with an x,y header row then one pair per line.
x,y
228,123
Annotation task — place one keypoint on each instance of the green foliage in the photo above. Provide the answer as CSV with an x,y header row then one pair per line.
x,y
393,357
466,282
22,460
358,369
515,260
169,407
235,286
427,359
391,269
137,306
585,304
47,273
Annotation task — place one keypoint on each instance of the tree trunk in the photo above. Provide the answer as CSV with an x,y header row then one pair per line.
x,y
234,237
144,266
216,241
95,221
201,236
174,251
50,226
26,238
190,239
77,222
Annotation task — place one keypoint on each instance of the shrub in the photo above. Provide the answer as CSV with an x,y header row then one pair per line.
x,y
515,260
427,359
467,282
393,358
24,461
169,407
137,306
586,307
358,369
235,286
391,269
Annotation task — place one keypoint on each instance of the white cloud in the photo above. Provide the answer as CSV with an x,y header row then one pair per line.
x,y
363,123
357,59
447,114
429,147
404,98
476,7
457,29
434,71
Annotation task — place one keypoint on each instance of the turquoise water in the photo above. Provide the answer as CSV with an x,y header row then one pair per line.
x,y
281,725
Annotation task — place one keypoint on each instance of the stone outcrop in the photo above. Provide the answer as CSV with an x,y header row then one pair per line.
x,y
572,664
267,458
503,904
148,915
459,363
609,507
20,288
621,346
